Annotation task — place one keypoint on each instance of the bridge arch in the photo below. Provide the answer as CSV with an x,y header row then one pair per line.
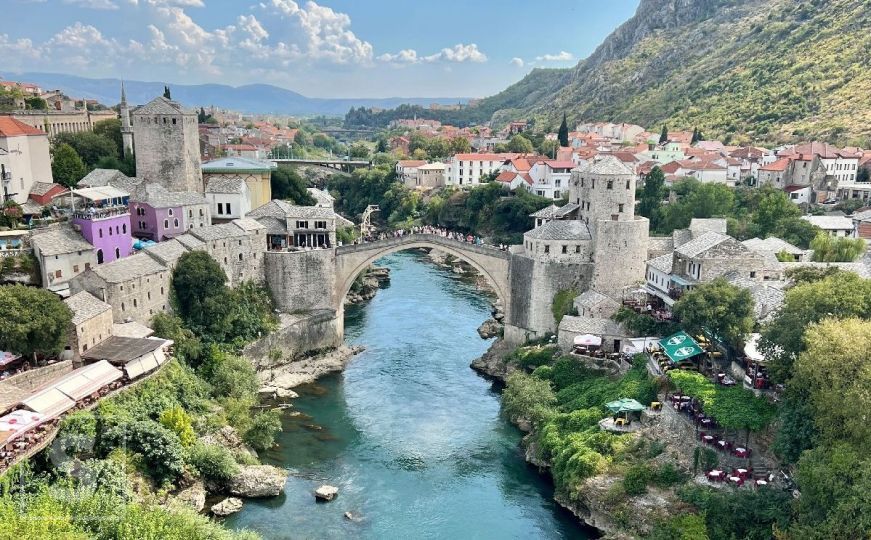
x,y
490,262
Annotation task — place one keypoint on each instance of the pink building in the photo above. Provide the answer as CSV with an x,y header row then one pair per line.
x,y
108,230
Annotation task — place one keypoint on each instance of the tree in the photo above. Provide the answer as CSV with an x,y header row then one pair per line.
x,y
835,370
437,147
111,130
201,116
288,185
91,147
166,93
36,103
381,146
864,174
197,282
302,138
843,295
829,249
563,133
35,321
67,167
796,231
663,135
520,145
460,145
773,207
548,148
695,138
719,307
652,194
359,151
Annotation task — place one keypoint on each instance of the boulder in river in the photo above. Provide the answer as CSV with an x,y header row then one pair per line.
x,y
257,481
228,506
326,493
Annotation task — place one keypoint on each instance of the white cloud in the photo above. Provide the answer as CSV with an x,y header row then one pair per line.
x,y
92,4
517,62
562,56
458,53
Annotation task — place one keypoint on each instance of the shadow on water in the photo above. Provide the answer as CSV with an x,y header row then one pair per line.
x,y
410,435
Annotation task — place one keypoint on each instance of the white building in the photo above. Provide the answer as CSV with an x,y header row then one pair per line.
x,y
24,159
835,226
406,170
468,169
551,178
842,164
229,198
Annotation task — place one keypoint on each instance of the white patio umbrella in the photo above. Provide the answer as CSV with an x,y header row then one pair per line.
x,y
588,340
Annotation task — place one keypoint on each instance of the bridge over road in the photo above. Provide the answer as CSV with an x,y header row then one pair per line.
x,y
343,165
491,262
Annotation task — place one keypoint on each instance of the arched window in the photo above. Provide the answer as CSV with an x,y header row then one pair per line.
x,y
99,256
100,232
117,253
134,302
170,211
165,223
124,228
240,256
175,222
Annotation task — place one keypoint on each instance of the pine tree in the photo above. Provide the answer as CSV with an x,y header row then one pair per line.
x,y
695,138
563,134
663,137
166,92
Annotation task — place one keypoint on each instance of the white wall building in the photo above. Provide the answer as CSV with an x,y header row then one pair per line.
x,y
229,198
24,159
835,226
62,254
468,169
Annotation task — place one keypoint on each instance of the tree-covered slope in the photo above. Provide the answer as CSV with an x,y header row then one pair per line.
x,y
771,69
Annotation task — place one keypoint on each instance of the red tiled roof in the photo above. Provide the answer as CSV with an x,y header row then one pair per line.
x,y
10,127
411,162
790,189
670,168
778,166
485,157
556,164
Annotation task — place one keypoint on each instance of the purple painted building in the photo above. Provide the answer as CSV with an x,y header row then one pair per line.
x,y
158,214
108,230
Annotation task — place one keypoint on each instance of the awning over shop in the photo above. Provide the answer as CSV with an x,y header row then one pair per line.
x,y
50,402
588,340
680,347
751,349
623,405
18,422
681,281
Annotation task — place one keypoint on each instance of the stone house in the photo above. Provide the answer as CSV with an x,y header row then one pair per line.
x,y
158,214
429,175
92,321
835,226
136,287
776,246
62,254
613,334
773,174
24,159
596,305
290,226
712,255
406,170
238,248
255,173
560,240
228,198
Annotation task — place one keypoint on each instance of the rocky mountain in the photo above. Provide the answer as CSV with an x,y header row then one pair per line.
x,y
767,70
253,98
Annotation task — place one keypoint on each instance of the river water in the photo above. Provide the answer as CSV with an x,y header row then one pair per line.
x,y
410,435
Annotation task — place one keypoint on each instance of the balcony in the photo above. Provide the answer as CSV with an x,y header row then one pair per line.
x,y
93,214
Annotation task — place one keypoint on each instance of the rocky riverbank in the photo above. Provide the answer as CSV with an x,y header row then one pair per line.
x,y
279,379
367,285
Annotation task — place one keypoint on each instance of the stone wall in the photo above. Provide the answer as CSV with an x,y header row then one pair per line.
x,y
621,255
240,257
301,281
533,284
167,150
296,336
32,379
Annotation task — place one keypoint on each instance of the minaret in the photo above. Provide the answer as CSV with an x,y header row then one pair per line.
x,y
126,129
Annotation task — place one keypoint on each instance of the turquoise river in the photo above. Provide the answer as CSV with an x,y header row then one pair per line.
x,y
410,435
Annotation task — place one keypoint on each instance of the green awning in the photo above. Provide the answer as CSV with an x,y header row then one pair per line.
x,y
680,347
624,405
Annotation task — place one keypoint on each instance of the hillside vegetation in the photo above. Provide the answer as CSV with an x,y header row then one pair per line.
x,y
766,70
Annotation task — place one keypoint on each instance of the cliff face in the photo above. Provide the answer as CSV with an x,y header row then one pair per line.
x,y
774,69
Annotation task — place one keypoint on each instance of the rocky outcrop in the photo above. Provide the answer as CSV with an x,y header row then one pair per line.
x,y
489,329
228,506
492,363
253,481
326,493
367,285
229,438
307,370
194,496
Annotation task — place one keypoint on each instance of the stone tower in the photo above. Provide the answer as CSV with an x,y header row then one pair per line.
x,y
605,192
126,129
166,145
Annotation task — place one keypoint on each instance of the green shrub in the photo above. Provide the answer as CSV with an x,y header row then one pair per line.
x,y
105,475
230,375
668,475
211,461
533,357
161,450
656,448
78,431
682,527
265,425
543,372
562,304
636,479
179,422
526,396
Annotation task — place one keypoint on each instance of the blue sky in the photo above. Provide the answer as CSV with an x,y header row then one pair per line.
x,y
325,48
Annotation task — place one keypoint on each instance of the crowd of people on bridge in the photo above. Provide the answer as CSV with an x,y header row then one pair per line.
x,y
437,231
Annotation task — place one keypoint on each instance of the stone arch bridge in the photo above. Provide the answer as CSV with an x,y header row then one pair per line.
x,y
492,263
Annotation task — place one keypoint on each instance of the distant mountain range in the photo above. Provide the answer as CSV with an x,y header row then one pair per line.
x,y
252,98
